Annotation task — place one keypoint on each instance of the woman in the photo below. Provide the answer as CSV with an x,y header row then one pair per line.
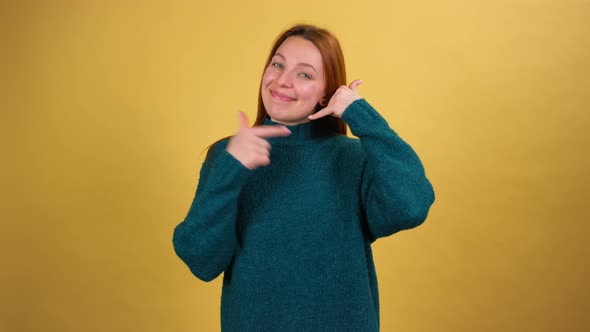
x,y
291,229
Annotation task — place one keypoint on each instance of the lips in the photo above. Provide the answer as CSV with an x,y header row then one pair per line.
x,y
281,96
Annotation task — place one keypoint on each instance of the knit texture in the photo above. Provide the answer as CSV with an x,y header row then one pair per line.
x,y
293,238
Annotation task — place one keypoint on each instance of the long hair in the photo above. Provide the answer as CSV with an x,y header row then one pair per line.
x,y
332,60
334,71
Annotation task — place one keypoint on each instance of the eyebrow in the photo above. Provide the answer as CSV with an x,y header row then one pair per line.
x,y
305,64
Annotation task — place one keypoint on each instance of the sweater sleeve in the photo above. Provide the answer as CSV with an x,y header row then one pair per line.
x,y
206,239
395,192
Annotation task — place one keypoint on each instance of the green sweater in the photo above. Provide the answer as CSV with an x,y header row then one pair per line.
x,y
293,238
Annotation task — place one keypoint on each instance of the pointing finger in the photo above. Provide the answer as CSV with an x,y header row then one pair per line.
x,y
270,131
354,84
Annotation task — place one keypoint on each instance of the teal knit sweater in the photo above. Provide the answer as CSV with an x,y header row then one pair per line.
x,y
293,238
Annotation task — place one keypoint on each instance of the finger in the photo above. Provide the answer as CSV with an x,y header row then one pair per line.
x,y
270,131
320,114
354,84
244,123
261,143
262,151
263,160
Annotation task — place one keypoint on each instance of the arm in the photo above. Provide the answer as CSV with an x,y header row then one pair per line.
x,y
206,239
395,192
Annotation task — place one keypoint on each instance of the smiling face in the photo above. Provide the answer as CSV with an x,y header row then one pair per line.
x,y
293,83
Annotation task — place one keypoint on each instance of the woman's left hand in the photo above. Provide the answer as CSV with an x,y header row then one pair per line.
x,y
342,98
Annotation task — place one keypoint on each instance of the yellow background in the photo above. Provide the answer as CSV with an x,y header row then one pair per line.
x,y
107,106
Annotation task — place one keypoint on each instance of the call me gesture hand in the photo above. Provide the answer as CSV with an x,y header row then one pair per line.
x,y
250,147
342,98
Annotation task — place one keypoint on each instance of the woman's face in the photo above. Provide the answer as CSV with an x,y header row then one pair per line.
x,y
293,84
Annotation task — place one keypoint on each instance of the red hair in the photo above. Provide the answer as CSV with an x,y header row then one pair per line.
x,y
334,71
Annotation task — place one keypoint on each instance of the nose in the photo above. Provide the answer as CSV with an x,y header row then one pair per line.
x,y
285,79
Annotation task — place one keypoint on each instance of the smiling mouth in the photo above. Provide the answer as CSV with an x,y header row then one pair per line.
x,y
280,96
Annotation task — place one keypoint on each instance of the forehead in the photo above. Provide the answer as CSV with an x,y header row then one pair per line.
x,y
298,50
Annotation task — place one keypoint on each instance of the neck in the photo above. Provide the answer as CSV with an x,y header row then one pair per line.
x,y
305,120
309,130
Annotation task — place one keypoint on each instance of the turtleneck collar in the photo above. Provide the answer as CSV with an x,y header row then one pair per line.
x,y
300,132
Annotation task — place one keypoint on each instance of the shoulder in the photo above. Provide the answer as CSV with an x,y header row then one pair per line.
x,y
349,147
216,149
344,140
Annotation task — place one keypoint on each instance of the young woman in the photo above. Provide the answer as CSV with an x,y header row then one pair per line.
x,y
291,227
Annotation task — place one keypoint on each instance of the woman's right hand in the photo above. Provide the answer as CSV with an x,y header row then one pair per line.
x,y
250,147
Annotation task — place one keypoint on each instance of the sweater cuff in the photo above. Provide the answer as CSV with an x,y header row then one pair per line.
x,y
227,172
362,118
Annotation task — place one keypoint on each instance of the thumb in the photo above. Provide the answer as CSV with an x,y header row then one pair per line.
x,y
354,84
244,123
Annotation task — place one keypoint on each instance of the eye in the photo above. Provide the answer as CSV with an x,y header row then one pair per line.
x,y
304,75
277,65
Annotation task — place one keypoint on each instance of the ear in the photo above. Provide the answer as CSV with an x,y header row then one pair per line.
x,y
323,102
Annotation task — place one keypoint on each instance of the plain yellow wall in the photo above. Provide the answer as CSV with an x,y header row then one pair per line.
x,y
107,106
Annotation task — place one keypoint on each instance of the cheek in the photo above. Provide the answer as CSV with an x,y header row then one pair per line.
x,y
268,76
314,93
